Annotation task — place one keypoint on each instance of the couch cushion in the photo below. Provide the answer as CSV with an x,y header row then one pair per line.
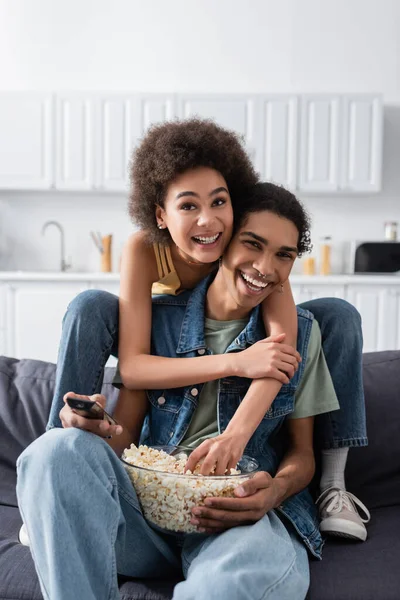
x,y
26,391
373,473
18,579
354,571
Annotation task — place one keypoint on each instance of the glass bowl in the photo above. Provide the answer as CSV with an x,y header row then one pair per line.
x,y
167,498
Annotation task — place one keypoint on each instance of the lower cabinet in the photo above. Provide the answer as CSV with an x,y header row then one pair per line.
x,y
31,311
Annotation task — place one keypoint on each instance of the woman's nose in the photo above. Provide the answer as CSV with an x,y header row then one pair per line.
x,y
205,218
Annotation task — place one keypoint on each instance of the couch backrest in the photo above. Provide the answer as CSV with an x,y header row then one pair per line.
x,y
373,473
26,391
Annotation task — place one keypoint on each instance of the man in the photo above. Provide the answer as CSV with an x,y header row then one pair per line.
x,y
82,514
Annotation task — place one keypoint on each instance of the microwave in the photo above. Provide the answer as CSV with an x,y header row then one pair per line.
x,y
374,257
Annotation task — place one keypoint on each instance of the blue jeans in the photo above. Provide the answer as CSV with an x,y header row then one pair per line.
x,y
85,525
90,336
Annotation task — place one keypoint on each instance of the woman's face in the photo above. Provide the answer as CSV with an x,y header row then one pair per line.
x,y
258,259
198,214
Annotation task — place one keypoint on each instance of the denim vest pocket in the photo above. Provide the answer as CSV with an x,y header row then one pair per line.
x,y
165,400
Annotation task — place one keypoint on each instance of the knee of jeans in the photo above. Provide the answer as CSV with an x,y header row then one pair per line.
x,y
92,304
340,312
54,453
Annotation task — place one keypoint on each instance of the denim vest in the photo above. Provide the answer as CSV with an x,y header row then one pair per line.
x,y
178,331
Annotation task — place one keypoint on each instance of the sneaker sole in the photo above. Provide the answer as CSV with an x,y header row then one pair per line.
x,y
346,529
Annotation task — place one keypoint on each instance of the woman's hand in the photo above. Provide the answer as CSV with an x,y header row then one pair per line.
x,y
221,452
254,498
269,357
69,418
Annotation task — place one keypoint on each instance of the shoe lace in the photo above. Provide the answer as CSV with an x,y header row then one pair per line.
x,y
334,500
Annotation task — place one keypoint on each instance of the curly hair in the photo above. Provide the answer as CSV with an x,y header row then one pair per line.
x,y
281,202
171,148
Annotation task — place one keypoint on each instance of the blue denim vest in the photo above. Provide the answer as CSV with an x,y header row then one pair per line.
x,y
178,331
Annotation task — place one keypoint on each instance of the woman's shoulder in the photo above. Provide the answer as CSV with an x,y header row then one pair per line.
x,y
138,253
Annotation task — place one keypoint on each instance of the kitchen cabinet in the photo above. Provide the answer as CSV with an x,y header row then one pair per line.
x,y
75,142
83,141
306,292
362,137
276,159
26,140
341,143
380,313
319,143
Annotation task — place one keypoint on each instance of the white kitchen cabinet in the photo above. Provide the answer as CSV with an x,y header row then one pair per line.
x,y
278,135
304,293
319,143
233,111
362,137
26,140
76,117
379,307
34,316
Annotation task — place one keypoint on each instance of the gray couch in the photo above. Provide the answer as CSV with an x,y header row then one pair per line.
x,y
348,571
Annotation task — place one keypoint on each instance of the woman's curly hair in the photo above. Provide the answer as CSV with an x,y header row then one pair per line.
x,y
278,200
169,149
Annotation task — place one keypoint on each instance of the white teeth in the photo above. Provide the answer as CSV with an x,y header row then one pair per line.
x,y
254,282
207,240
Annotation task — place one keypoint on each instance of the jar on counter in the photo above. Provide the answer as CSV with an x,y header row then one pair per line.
x,y
325,255
391,231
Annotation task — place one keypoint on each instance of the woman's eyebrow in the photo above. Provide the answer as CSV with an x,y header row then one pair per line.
x,y
217,190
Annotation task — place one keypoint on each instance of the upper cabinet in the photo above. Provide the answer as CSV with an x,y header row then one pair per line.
x,y
341,143
26,140
362,136
84,141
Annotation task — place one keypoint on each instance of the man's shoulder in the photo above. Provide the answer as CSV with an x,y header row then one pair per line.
x,y
169,300
303,313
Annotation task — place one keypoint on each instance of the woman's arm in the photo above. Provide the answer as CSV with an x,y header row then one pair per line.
x,y
139,369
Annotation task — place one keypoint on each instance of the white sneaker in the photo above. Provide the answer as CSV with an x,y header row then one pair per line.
x,y
339,514
23,536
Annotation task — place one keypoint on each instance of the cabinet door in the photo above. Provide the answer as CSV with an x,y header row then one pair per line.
x,y
303,293
123,120
75,119
362,143
26,141
34,316
279,132
319,144
380,312
232,111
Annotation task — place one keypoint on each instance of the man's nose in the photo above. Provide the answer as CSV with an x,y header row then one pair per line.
x,y
264,265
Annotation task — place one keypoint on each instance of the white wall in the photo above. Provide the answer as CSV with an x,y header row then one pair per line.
x,y
195,45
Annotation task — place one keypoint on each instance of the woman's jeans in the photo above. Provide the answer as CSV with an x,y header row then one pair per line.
x,y
90,336
85,525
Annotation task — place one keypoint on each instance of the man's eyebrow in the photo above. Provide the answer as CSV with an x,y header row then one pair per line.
x,y
265,242
194,195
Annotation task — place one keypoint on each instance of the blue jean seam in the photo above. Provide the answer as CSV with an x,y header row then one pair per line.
x,y
347,443
103,361
113,538
285,575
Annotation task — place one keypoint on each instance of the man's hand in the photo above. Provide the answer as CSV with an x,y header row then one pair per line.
x,y
254,498
222,452
69,418
268,358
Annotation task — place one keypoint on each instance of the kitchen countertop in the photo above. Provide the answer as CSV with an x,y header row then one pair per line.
x,y
374,278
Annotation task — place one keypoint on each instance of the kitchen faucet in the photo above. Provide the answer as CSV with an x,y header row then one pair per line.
x,y
64,265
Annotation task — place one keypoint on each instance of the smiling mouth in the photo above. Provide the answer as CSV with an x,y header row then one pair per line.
x,y
207,240
254,285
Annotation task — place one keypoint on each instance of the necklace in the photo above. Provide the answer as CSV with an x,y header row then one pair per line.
x,y
189,262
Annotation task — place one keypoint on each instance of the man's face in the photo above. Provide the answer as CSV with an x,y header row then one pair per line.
x,y
259,258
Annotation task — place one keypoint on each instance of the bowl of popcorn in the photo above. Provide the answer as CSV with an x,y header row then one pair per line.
x,y
167,494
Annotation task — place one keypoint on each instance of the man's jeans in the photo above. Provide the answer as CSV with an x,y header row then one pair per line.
x,y
90,336
85,526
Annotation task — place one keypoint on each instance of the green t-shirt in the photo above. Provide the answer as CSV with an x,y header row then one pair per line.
x,y
314,395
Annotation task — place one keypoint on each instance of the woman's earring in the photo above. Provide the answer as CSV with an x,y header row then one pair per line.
x,y
160,226
220,262
281,289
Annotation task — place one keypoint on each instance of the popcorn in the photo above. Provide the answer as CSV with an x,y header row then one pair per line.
x,y
167,493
